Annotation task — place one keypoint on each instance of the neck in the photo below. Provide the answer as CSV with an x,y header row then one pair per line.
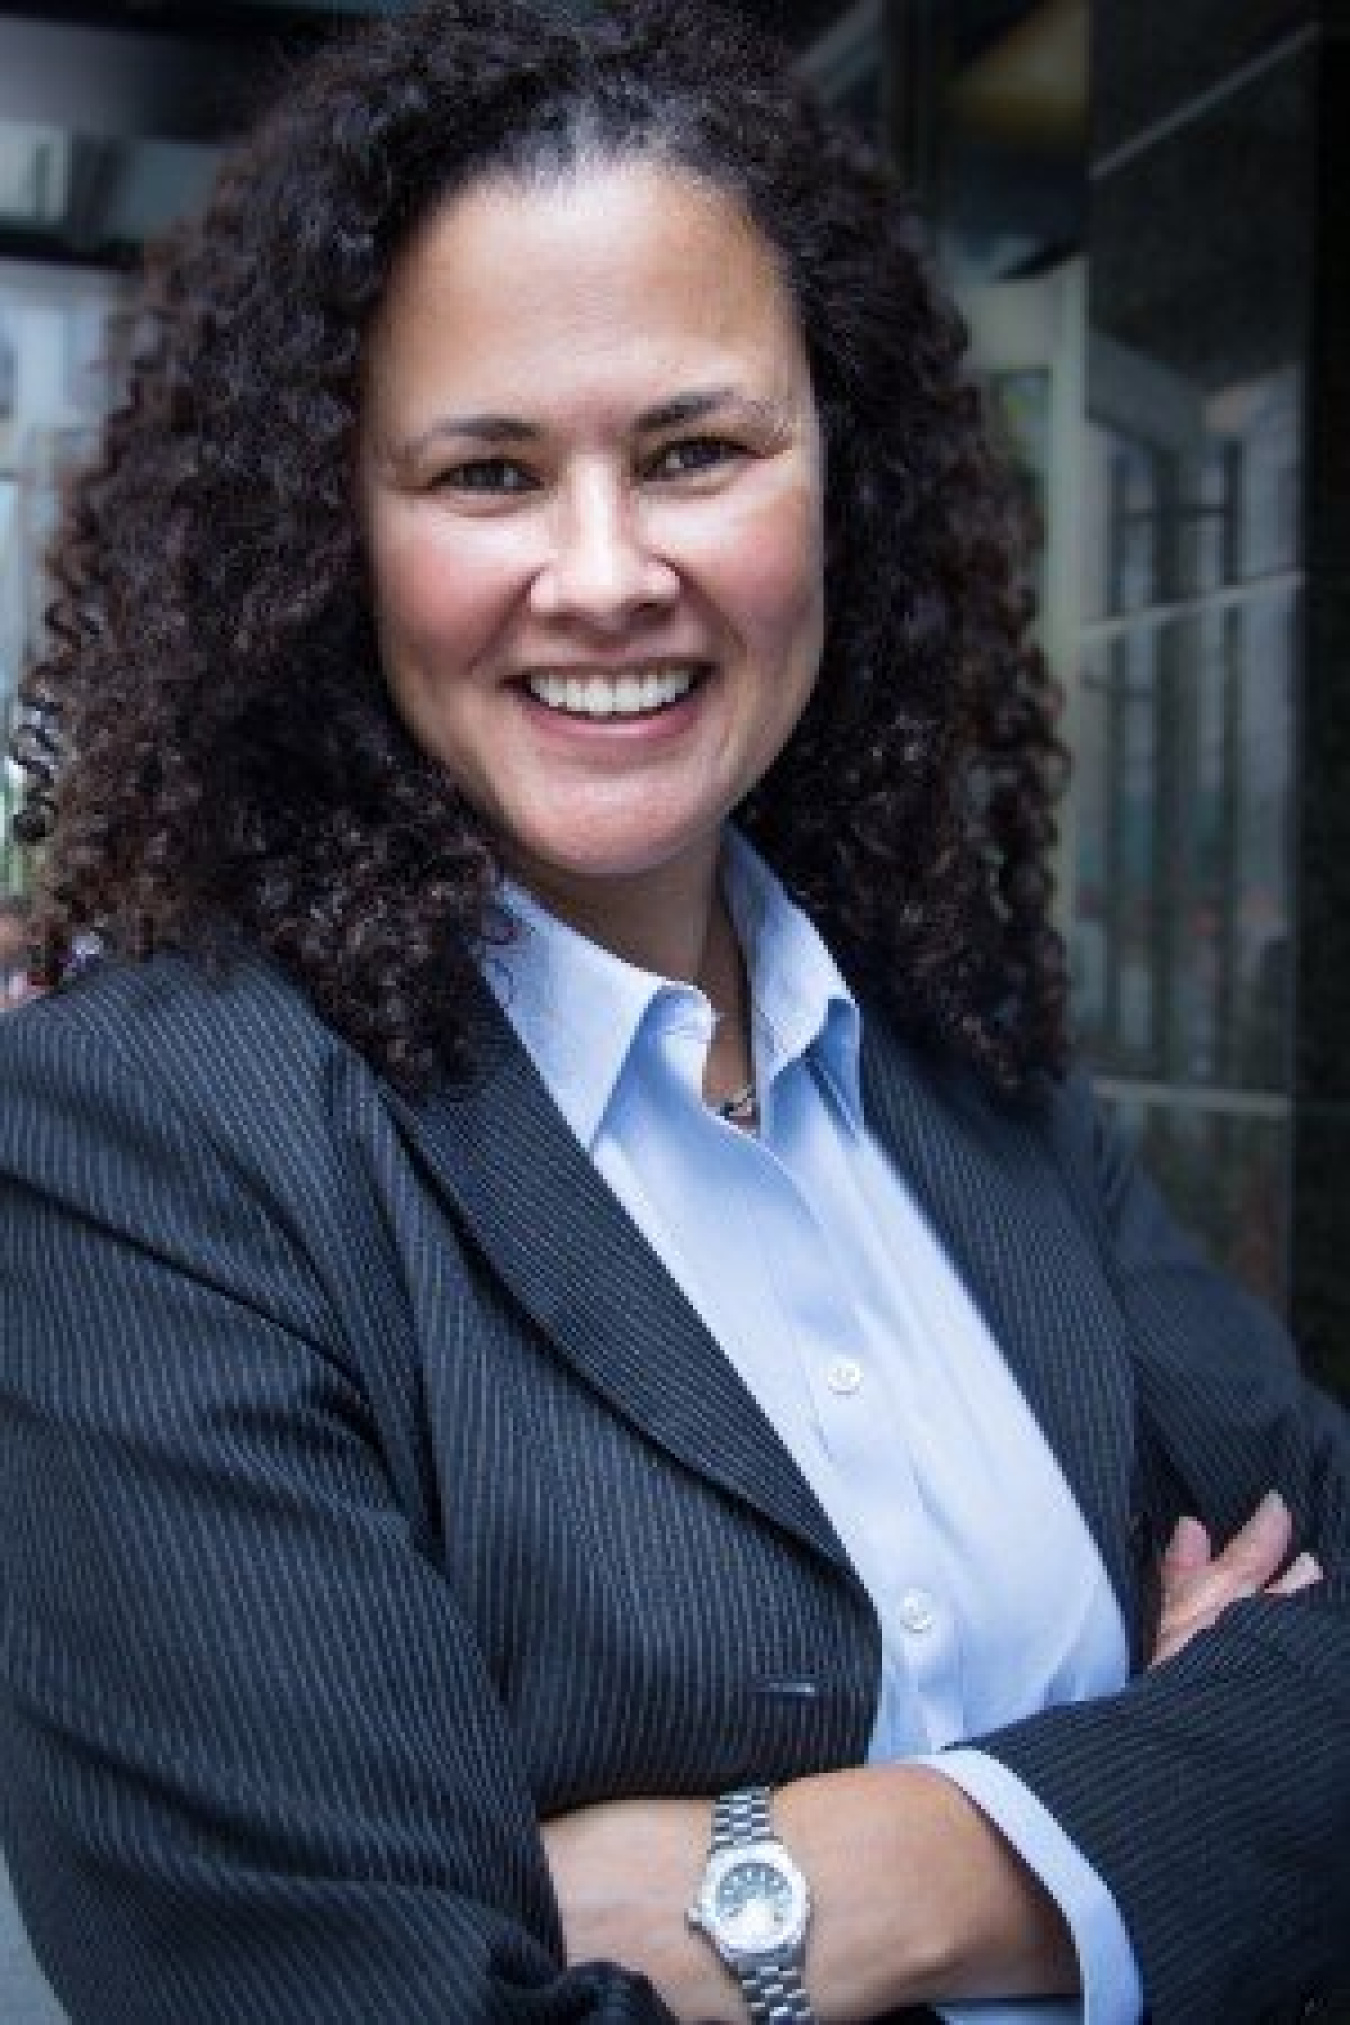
x,y
662,920
674,922
729,1067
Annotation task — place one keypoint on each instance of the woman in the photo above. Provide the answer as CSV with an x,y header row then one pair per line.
x,y
514,1368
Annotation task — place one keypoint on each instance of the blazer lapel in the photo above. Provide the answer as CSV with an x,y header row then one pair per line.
x,y
498,1148
1000,1208
499,1151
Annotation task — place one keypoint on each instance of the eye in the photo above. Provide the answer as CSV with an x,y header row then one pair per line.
x,y
485,474
692,455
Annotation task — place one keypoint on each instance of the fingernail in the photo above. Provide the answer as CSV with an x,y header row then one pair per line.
x,y
1188,1536
1271,1503
1304,1568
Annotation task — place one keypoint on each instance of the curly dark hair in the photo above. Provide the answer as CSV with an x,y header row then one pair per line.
x,y
212,751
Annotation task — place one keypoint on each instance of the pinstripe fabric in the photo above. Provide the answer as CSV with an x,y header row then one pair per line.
x,y
366,1488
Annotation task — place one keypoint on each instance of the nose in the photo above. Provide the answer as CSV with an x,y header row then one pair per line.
x,y
600,568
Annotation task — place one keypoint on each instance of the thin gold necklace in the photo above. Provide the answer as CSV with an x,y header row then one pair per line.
x,y
741,1107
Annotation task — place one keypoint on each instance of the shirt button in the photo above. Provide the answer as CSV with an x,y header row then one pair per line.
x,y
844,1374
916,1610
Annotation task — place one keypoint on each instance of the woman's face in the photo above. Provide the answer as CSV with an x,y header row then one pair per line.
x,y
591,485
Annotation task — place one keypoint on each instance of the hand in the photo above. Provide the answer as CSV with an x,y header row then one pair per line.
x,y
624,1873
1199,1584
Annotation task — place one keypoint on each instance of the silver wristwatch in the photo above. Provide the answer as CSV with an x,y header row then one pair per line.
x,y
753,1905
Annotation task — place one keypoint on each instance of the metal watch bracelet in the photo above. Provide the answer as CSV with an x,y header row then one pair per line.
x,y
775,1995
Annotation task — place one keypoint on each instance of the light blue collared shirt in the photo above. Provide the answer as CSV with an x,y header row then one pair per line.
x,y
815,1270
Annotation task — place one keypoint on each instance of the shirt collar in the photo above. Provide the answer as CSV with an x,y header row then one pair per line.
x,y
575,1006
578,1009
800,1003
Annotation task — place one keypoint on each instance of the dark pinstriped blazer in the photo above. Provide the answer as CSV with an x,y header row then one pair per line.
x,y
367,1490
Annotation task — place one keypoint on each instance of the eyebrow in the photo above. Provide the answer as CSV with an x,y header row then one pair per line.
x,y
672,414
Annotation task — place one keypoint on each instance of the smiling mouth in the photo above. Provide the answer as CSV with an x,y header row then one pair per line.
x,y
631,694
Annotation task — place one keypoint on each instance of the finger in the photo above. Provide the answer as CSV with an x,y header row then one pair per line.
x,y
1302,1573
1197,1586
1188,1549
1257,1552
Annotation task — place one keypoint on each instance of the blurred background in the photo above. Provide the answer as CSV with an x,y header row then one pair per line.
x,y
1141,206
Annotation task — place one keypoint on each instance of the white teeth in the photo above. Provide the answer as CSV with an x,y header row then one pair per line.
x,y
612,695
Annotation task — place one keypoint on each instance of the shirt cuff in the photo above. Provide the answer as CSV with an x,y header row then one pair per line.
x,y
1112,1987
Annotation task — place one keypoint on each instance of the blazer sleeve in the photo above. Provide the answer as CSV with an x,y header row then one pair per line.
x,y
251,1762
1213,1793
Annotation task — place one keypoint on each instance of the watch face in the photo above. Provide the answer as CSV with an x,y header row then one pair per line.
x,y
755,1904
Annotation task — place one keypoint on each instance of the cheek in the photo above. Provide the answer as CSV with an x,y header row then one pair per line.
x,y
434,601
771,565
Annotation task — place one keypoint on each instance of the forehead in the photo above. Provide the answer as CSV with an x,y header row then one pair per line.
x,y
606,268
